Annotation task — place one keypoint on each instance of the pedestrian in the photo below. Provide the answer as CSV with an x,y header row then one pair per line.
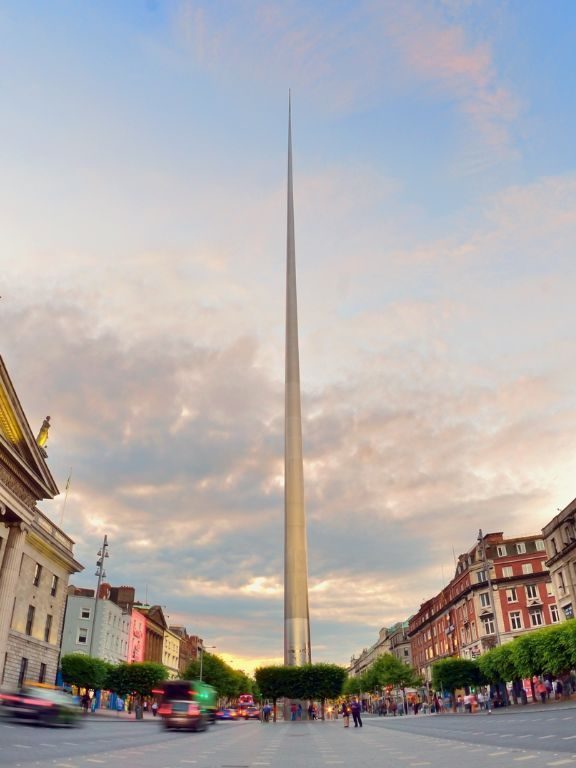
x,y
542,691
356,713
345,711
85,701
480,698
300,711
266,712
293,711
119,705
154,708
145,706
559,688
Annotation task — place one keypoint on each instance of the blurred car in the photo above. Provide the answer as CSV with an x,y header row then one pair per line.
x,y
252,713
182,715
227,713
40,706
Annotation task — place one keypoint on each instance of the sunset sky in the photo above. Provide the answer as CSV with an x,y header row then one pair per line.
x,y
142,245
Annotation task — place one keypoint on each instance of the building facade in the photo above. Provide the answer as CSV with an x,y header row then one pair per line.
x,y
392,640
109,623
501,589
36,557
560,541
137,639
171,653
190,646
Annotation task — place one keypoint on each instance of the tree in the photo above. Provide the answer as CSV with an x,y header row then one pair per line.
x,y
139,678
272,682
321,681
227,681
389,670
84,671
453,673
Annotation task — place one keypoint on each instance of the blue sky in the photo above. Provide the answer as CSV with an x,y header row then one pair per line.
x,y
142,242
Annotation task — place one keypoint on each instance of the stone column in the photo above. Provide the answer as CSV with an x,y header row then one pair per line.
x,y
9,572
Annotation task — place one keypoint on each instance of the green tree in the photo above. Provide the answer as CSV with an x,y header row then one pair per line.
x,y
390,670
272,682
227,681
321,682
84,671
453,673
139,678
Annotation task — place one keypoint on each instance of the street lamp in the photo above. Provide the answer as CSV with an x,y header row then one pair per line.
x,y
101,573
201,649
494,595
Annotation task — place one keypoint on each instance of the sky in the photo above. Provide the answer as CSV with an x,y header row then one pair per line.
x,y
143,149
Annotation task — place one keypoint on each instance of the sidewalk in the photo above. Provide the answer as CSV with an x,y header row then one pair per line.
x,y
111,715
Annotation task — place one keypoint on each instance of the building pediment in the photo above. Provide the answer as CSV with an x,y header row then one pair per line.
x,y
24,458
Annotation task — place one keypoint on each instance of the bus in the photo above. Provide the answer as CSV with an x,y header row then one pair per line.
x,y
189,690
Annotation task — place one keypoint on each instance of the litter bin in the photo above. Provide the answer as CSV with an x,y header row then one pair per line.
x,y
138,712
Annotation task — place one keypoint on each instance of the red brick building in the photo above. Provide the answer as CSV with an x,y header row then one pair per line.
x,y
500,590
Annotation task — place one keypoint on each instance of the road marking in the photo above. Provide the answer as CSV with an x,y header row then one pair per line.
x,y
187,761
568,737
567,718
498,754
526,757
22,746
549,736
505,735
524,736
414,764
560,762
94,760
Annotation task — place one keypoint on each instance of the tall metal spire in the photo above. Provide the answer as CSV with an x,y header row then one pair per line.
x,y
296,613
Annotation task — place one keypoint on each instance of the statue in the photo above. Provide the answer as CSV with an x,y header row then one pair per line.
x,y
43,434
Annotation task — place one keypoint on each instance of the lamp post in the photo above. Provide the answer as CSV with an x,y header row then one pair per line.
x,y
101,573
201,649
493,598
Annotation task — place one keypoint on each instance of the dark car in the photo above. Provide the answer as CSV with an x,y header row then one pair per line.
x,y
40,706
227,713
182,715
252,713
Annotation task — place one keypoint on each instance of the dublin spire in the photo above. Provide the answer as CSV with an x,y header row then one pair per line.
x,y
296,614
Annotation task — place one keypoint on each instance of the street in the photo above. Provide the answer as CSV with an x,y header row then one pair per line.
x,y
444,741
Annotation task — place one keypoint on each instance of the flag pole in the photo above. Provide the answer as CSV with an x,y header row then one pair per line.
x,y
65,498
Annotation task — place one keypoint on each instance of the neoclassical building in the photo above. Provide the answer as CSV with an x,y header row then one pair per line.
x,y
36,557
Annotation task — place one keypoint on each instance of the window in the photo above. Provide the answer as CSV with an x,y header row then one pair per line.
x,y
520,547
23,670
85,613
37,574
488,626
507,571
515,620
484,599
481,576
554,547
42,675
54,585
82,636
527,568
30,619
406,651
532,592
561,584
511,596
536,618
48,628
555,617
501,550
540,545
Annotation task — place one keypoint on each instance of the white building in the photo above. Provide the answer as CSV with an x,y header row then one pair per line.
x,y
111,628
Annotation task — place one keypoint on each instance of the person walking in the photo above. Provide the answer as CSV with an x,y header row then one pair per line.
x,y
356,713
119,706
154,708
345,714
